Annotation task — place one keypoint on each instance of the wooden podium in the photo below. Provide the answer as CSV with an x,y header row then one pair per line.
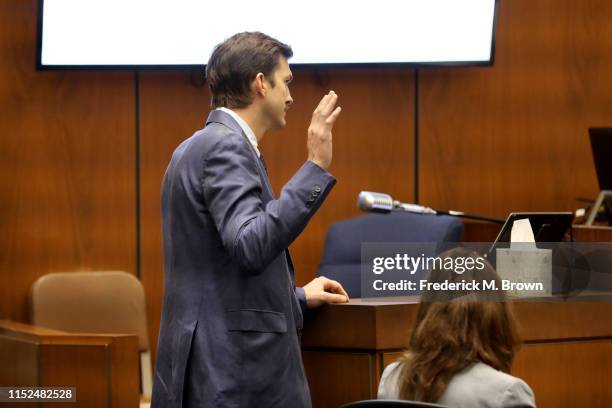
x,y
103,368
566,357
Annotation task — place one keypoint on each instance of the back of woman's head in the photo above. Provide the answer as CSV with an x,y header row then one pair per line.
x,y
455,329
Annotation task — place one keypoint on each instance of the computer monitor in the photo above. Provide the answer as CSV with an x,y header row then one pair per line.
x,y
601,144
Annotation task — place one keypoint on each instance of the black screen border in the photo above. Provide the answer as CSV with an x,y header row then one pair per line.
x,y
186,67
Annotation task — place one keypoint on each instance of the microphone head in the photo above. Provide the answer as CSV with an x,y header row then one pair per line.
x,y
375,202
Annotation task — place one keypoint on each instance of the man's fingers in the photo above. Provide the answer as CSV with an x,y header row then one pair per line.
x,y
332,118
329,104
334,298
335,287
322,103
342,291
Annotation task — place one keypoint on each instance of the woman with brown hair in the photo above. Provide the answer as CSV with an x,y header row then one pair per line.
x,y
461,347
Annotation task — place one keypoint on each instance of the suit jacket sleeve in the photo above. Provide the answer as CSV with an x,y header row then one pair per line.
x,y
301,296
252,232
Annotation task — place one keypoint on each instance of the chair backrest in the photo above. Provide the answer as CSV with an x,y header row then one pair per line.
x,y
391,404
341,258
94,302
91,302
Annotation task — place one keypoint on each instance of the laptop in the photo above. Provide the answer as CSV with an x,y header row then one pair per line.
x,y
547,226
601,144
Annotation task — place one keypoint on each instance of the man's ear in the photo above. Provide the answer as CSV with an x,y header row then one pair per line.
x,y
259,85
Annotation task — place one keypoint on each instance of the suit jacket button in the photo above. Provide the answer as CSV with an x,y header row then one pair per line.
x,y
317,188
299,331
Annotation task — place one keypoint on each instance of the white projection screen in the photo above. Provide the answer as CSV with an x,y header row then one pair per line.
x,y
157,33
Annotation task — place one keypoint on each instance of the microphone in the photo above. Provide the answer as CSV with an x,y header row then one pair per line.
x,y
383,203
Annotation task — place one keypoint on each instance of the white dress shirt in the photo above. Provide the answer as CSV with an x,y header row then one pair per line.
x,y
245,128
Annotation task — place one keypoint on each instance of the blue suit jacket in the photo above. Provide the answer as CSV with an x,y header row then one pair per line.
x,y
231,317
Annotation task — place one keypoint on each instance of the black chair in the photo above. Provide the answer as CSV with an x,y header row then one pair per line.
x,y
391,404
341,258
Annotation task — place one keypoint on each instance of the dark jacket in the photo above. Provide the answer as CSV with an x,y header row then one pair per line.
x,y
231,317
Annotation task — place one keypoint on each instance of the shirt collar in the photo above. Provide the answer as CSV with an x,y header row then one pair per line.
x,y
245,127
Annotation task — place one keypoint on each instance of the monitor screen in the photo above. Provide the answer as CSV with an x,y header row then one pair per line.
x,y
140,33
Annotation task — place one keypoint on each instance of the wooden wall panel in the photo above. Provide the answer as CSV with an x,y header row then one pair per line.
x,y
576,373
372,150
103,368
352,375
514,137
67,184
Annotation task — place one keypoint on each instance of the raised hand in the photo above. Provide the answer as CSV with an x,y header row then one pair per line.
x,y
320,130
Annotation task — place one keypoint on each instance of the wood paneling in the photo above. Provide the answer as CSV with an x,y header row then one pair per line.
x,y
351,374
514,137
476,231
592,234
386,325
575,374
487,232
102,368
66,166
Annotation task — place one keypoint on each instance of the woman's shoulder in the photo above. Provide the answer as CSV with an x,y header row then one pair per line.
x,y
491,386
478,385
387,388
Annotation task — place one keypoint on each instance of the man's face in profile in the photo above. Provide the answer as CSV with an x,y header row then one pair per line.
x,y
278,97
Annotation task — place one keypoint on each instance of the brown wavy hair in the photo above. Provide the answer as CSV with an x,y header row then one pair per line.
x,y
234,64
451,334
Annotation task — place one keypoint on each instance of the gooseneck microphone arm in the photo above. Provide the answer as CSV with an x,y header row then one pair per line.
x,y
383,203
471,216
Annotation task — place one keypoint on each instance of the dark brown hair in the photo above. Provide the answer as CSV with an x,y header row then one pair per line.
x,y
235,63
450,335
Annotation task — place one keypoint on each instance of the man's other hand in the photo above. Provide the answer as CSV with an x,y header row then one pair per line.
x,y
322,290
320,130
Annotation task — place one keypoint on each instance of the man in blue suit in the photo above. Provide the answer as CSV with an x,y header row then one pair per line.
x,y
232,316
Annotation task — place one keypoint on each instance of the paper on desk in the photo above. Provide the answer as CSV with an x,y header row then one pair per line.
x,y
523,262
522,231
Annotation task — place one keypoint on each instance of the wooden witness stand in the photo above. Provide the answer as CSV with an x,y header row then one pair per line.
x,y
103,368
566,357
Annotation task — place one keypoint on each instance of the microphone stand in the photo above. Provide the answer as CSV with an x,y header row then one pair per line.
x,y
425,210
471,216
383,203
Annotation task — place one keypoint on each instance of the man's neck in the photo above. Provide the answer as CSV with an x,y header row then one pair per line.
x,y
254,119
